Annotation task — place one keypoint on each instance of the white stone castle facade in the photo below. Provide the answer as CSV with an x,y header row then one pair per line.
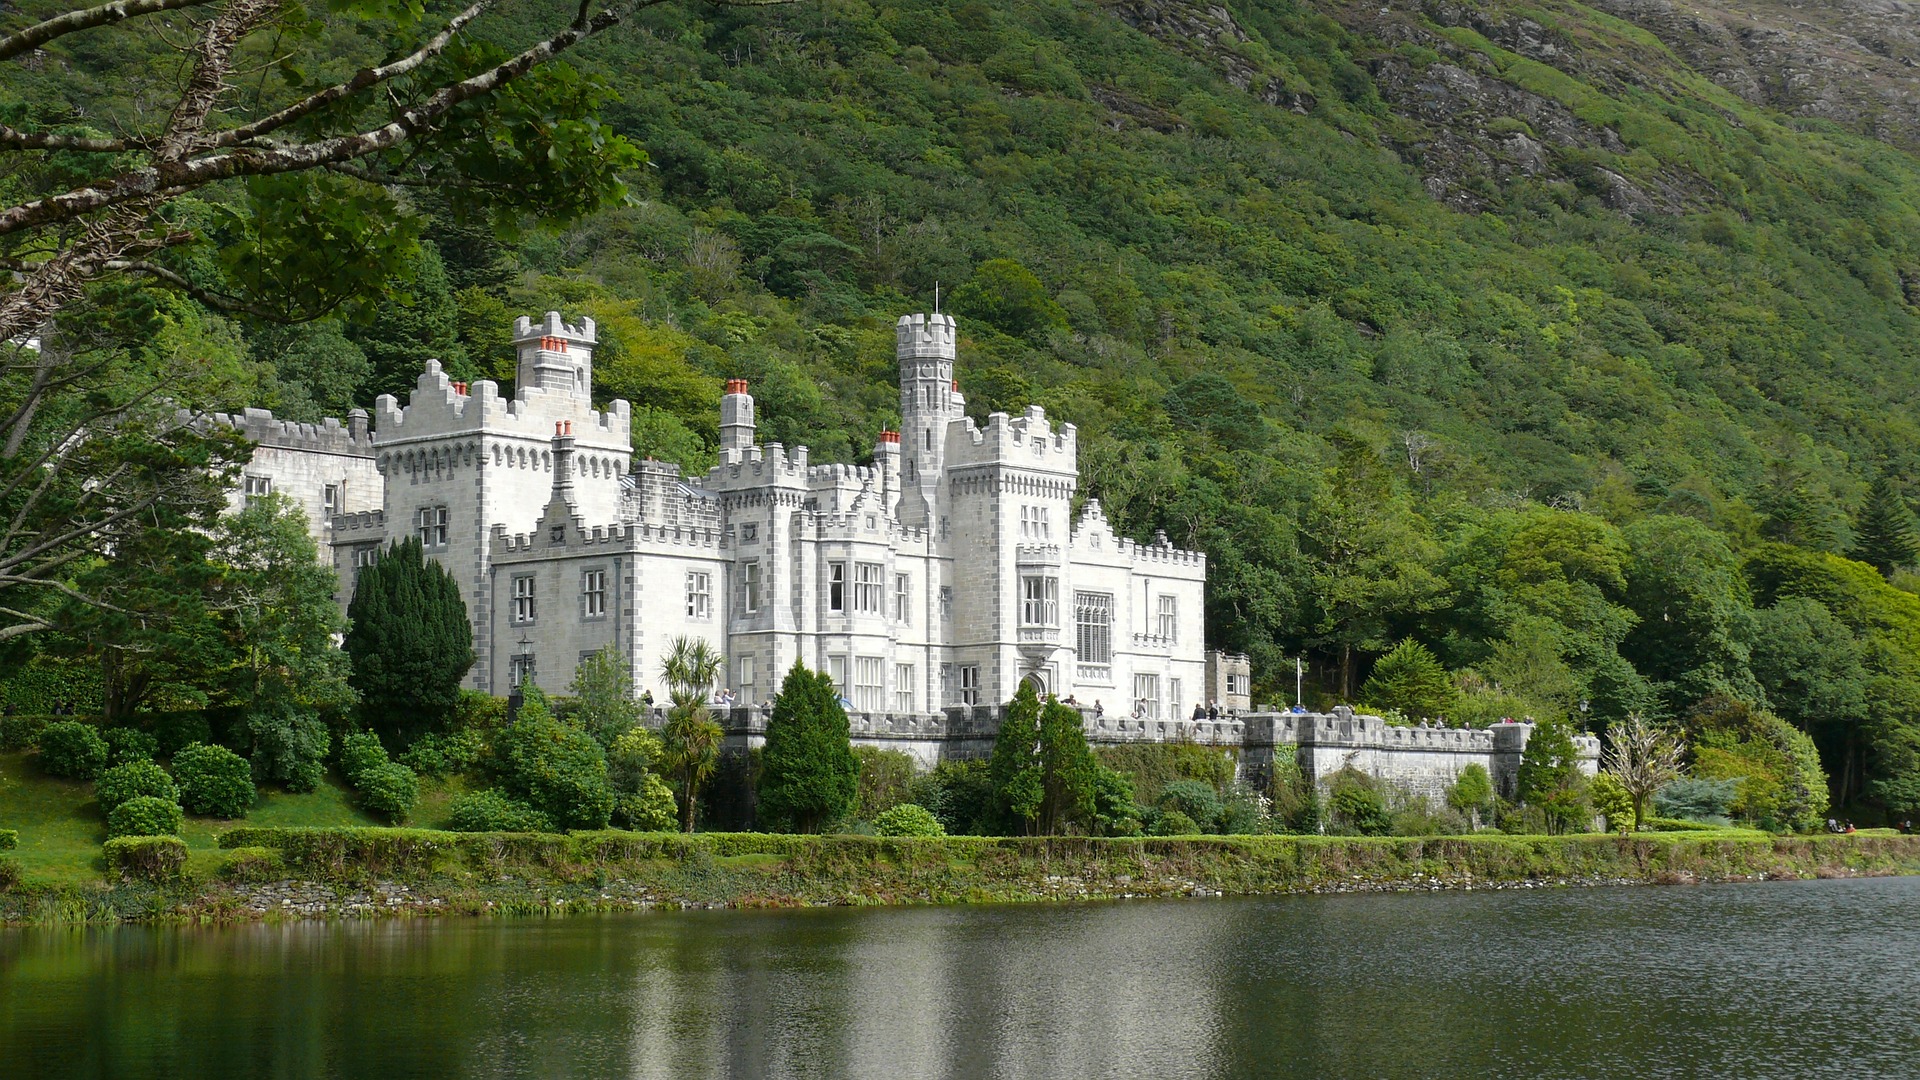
x,y
941,575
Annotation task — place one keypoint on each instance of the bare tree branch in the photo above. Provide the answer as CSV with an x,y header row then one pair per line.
x,y
362,79
38,140
40,33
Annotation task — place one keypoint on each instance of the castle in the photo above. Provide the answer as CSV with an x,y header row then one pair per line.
x,y
928,584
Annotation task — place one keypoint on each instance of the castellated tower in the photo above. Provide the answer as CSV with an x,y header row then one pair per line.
x,y
459,461
929,401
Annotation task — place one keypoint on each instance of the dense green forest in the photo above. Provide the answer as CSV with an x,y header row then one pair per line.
x,y
1595,380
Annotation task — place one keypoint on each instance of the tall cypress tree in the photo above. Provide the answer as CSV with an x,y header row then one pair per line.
x,y
1884,535
808,774
1018,785
410,642
1066,768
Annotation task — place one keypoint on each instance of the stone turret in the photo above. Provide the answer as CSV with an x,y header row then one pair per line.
x,y
929,400
554,355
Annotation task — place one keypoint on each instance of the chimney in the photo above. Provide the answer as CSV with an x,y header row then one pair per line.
x,y
736,421
563,461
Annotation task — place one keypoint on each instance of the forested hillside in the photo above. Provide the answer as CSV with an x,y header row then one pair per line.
x,y
1492,324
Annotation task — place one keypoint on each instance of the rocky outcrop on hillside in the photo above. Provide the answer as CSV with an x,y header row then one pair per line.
x,y
1854,62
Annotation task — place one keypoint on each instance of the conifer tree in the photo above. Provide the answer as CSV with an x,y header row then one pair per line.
x,y
808,774
1412,680
1884,535
1066,767
1018,785
410,642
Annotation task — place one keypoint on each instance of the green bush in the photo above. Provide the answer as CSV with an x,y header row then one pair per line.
x,y
557,769
1174,823
149,858
886,778
436,754
144,815
389,790
908,819
253,864
73,750
650,809
360,751
493,811
1198,801
214,781
125,744
1695,799
959,793
22,731
9,839
177,731
1358,805
135,778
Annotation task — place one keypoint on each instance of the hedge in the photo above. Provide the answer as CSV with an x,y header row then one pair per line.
x,y
147,858
21,731
253,864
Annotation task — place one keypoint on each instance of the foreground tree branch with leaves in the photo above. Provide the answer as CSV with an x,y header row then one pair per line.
x,y
249,160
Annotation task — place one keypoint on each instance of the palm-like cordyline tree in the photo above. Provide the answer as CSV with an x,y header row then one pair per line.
x,y
690,740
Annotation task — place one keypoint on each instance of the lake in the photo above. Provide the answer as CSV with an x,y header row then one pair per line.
x,y
1791,979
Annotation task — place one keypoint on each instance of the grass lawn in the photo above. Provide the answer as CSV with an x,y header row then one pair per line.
x,y
61,828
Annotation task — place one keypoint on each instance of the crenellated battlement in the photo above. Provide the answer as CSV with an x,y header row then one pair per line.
x,y
439,406
365,525
925,337
1029,441
329,436
1161,552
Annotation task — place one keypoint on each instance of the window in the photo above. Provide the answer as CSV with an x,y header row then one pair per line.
x,y
330,500
523,599
1039,601
1169,624
257,487
903,688
836,586
1034,523
363,558
431,524
969,684
750,586
1174,708
946,601
520,670
866,588
746,679
699,594
837,671
1093,627
902,598
869,684
1237,685
1146,696
593,594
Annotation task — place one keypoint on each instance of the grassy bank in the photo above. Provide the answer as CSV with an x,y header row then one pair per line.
x,y
266,872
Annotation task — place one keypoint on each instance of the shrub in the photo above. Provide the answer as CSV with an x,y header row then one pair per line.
x,y
22,732
1114,811
886,776
1199,802
1174,823
1695,799
214,781
144,815
135,778
556,769
177,731
289,743
959,793
1152,766
492,811
908,819
435,754
1357,805
650,809
253,864
634,753
125,744
360,751
9,839
150,858
73,750
388,790
1613,800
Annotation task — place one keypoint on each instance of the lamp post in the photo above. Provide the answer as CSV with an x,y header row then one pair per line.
x,y
514,693
1583,714
1299,676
